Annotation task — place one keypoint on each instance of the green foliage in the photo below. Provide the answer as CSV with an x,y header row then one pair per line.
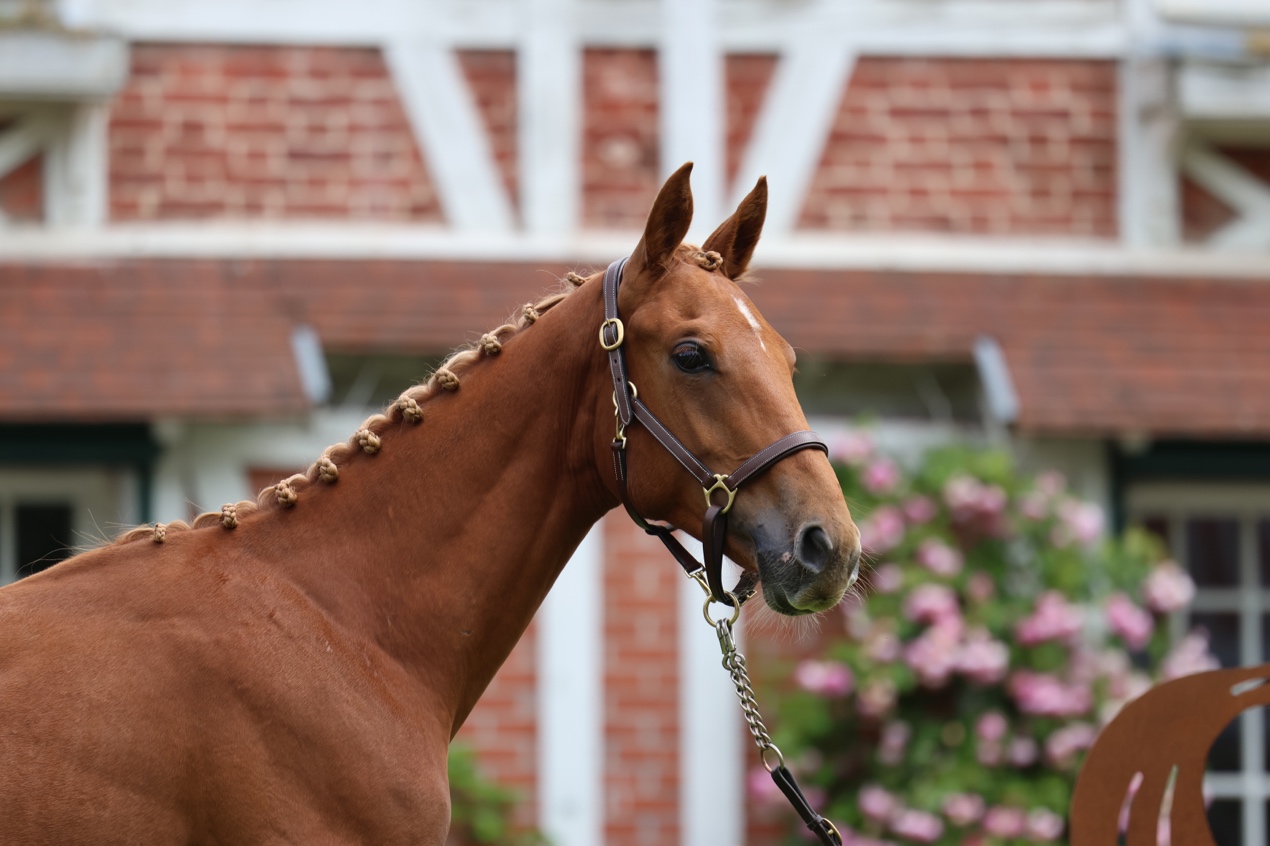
x,y
1000,630
480,810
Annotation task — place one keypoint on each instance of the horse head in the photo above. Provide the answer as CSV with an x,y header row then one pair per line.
x,y
719,377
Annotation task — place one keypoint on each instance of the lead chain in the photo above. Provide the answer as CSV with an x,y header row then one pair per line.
x,y
734,663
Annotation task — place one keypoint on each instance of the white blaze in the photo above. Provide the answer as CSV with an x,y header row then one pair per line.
x,y
751,319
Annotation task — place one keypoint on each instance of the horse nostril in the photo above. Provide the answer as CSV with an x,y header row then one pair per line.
x,y
813,548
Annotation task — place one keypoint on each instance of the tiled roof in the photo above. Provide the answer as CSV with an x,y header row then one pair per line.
x,y
138,339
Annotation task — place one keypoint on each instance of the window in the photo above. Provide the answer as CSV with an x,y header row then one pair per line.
x,y
48,515
1221,535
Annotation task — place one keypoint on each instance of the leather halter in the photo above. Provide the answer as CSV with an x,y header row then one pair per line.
x,y
720,490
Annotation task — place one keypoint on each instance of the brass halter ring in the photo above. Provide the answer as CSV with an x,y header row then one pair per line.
x,y
621,333
720,484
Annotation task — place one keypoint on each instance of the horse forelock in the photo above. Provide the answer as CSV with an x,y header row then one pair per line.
x,y
409,407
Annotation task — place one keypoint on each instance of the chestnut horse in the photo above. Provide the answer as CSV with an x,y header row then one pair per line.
x,y
293,670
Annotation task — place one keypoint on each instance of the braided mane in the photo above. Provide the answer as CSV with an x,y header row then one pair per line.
x,y
408,407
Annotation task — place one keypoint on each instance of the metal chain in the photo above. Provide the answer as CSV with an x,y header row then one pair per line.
x,y
734,663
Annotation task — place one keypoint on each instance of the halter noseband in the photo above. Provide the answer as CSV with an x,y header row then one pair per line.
x,y
720,490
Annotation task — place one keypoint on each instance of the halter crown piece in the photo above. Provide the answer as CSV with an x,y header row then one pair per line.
x,y
720,491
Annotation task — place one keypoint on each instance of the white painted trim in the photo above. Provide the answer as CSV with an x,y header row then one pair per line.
x,y
451,134
994,375
712,762
24,139
690,78
549,114
880,252
77,168
805,93
570,700
1242,190
36,64
1148,205
1211,91
1239,13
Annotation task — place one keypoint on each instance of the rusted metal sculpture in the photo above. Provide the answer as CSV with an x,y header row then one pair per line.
x,y
1172,726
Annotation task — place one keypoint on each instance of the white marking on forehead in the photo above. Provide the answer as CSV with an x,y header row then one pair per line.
x,y
751,319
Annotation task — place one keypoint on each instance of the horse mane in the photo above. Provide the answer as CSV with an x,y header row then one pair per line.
x,y
408,407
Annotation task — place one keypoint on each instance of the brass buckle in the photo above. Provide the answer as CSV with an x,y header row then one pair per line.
x,y
621,333
720,484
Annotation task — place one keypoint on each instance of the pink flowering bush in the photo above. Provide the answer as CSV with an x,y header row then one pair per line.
x,y
998,632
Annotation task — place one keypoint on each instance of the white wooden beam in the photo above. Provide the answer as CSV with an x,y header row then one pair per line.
x,y
451,134
549,116
789,137
24,139
76,169
690,76
1241,190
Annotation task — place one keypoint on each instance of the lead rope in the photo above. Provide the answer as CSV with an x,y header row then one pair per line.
x,y
769,753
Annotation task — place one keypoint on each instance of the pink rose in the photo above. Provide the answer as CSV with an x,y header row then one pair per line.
x,y
1023,751
1062,746
1189,656
876,699
1045,695
881,476
1044,825
963,809
991,727
931,603
1129,622
1003,821
1053,618
825,678
877,803
888,578
1051,483
938,557
883,647
852,448
1168,588
932,656
982,659
917,825
882,530
761,788
894,742
1078,522
980,587
920,509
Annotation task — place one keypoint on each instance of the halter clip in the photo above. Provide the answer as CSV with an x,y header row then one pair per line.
x,y
720,484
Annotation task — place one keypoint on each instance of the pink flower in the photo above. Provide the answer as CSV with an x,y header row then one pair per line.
x,y
877,803
881,476
1023,751
1168,588
761,788
982,659
932,656
988,754
931,604
1129,622
1189,656
1034,506
852,448
888,578
920,509
1062,746
973,503
1045,695
1052,619
825,678
963,809
1078,522
883,647
876,699
991,727
894,742
938,557
917,825
1003,821
1044,825
1051,483
882,530
980,587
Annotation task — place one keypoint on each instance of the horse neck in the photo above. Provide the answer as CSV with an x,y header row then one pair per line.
x,y
441,547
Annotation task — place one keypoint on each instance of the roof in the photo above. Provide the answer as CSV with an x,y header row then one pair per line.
x,y
1088,355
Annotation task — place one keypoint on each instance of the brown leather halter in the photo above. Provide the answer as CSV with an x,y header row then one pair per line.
x,y
720,490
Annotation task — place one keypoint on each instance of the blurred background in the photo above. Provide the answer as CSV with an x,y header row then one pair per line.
x,y
229,229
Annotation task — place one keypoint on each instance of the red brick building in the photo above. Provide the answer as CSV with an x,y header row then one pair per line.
x,y
228,229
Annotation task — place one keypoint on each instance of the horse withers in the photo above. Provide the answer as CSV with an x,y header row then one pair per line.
x,y
292,670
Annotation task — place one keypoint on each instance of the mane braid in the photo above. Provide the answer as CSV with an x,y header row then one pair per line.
x,y
408,408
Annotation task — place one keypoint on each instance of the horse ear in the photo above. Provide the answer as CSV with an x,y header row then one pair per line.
x,y
737,236
667,222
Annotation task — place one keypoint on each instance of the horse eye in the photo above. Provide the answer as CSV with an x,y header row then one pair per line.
x,y
690,358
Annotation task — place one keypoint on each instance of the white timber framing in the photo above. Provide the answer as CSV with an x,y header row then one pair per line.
x,y
549,115
1239,189
690,76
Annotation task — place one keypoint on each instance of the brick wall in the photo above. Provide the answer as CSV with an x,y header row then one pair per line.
x,y
746,80
641,688
491,77
276,132
1000,146
620,137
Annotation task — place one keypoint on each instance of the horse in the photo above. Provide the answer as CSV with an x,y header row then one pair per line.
x,y
292,670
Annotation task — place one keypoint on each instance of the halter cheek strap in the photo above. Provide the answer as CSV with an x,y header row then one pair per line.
x,y
720,490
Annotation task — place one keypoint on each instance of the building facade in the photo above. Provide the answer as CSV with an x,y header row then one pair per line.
x,y
228,230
